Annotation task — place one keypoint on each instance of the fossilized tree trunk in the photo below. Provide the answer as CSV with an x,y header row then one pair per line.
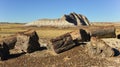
x,y
101,31
62,43
4,51
10,41
69,40
27,41
6,44
98,47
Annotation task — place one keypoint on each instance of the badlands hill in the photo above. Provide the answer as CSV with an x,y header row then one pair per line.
x,y
70,20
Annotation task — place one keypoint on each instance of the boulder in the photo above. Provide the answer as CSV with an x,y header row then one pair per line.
x,y
27,41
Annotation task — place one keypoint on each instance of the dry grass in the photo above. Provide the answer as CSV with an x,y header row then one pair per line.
x,y
43,32
8,29
51,33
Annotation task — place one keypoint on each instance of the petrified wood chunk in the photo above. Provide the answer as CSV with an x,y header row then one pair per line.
x,y
27,41
98,47
80,35
101,31
69,40
4,51
62,43
6,44
10,41
66,41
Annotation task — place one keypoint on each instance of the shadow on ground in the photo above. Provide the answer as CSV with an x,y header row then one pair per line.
x,y
11,56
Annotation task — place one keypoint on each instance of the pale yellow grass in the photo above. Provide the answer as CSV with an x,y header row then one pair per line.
x,y
52,33
43,32
9,29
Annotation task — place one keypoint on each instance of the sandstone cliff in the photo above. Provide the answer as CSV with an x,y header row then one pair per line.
x,y
70,20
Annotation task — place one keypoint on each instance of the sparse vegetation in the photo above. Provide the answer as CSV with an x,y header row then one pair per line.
x,y
43,32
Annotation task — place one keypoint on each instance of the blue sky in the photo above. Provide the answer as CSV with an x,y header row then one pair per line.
x,y
31,10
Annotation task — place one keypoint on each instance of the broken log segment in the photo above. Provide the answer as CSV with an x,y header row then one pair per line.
x,y
27,41
80,35
101,31
69,40
4,51
6,44
10,41
98,47
62,43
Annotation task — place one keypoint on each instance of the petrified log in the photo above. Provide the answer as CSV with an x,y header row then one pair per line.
x,y
10,41
4,51
69,40
62,43
98,47
118,36
6,44
80,35
27,41
101,31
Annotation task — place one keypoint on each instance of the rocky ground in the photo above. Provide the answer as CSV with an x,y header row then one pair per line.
x,y
76,57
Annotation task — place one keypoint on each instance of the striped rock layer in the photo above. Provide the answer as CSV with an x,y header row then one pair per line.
x,y
70,20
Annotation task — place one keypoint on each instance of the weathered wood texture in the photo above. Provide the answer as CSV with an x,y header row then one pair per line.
x,y
98,47
62,43
27,41
69,40
10,41
66,41
101,31
4,51
80,35
6,44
